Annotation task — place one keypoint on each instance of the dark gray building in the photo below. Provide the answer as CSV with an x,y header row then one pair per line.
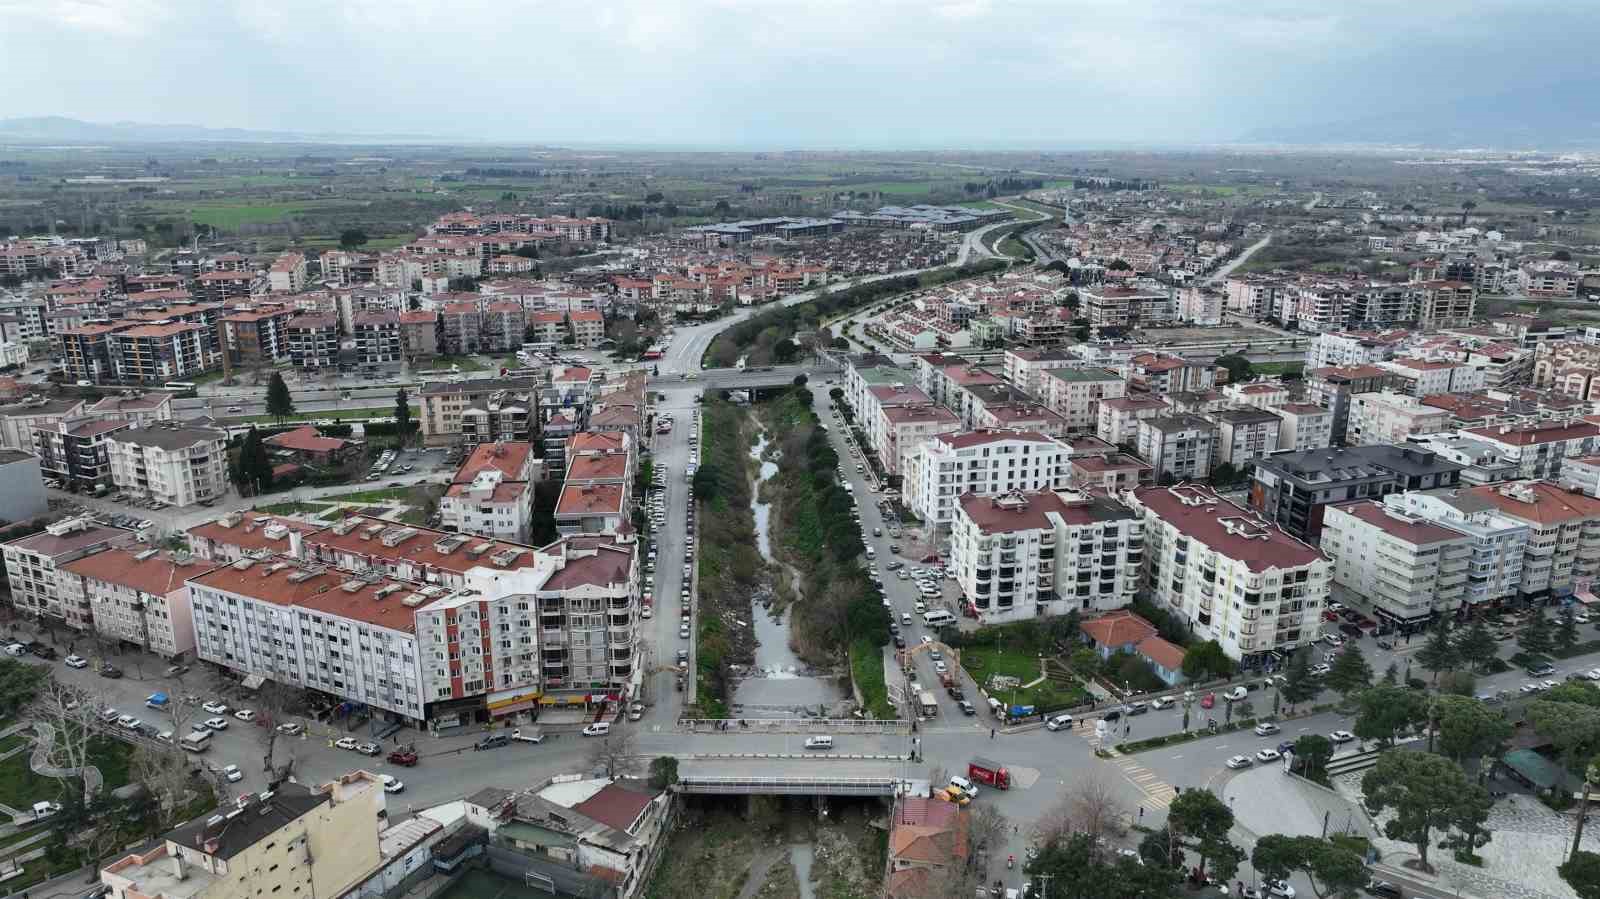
x,y
21,486
1293,488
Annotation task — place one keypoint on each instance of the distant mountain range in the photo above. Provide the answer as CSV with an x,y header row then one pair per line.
x,y
62,130
1548,117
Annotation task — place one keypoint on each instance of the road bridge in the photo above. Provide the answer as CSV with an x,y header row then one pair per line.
x,y
783,775
742,379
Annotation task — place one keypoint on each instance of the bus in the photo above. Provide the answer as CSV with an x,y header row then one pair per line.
x,y
182,388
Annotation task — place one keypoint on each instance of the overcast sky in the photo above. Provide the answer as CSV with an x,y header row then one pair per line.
x,y
780,73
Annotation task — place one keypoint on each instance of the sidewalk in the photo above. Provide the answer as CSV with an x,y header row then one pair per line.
x,y
1266,800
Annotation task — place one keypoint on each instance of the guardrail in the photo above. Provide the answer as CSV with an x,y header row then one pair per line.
x,y
794,725
833,786
809,757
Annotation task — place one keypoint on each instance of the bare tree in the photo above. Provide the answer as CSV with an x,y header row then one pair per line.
x,y
73,716
614,752
987,827
181,709
272,702
165,775
938,776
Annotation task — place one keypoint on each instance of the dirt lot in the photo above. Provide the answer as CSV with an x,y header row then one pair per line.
x,y
721,850
1188,335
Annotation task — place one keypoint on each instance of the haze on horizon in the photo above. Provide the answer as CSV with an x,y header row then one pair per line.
x,y
806,73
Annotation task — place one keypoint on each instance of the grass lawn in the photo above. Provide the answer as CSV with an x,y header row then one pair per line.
x,y
372,496
20,787
13,741
111,756
1278,368
230,215
335,414
982,661
293,508
866,668
467,363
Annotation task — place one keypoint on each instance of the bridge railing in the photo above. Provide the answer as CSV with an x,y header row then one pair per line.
x,y
794,725
857,786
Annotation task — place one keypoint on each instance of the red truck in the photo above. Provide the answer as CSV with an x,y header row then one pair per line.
x,y
992,773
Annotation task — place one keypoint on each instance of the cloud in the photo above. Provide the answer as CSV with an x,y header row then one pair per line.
x,y
776,72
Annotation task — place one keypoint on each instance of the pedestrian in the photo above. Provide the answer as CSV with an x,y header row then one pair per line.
x,y
1141,813
991,733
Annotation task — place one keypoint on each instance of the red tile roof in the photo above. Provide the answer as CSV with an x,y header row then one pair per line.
x,y
616,806
322,592
250,532
1167,655
158,574
306,440
1536,434
986,435
1229,530
1415,531
597,467
507,458
590,499
1118,629
1546,504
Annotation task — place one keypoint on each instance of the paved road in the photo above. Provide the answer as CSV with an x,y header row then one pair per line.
x,y
1217,276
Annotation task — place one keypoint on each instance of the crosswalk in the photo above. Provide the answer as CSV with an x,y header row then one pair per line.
x,y
1158,794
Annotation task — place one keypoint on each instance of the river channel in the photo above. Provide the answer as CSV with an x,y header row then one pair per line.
x,y
780,684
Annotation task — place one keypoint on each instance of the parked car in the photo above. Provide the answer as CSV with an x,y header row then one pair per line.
x,y
1268,755
215,708
392,784
216,723
369,748
232,773
1239,761
346,743
493,741
245,715
1341,736
75,661
291,729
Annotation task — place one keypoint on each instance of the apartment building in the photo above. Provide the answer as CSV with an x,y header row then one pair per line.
x,y
377,336
1017,415
1119,418
477,411
461,328
419,334
1411,570
177,465
136,596
1426,377
1030,555
903,429
1304,426
1231,575
291,841
1124,307
1259,394
136,409
1025,368
258,336
77,451
1348,349
1254,295
313,341
1441,303
234,535
1179,447
503,325
156,354
1243,435
34,568
1499,542
223,286
1563,547
1332,388
588,327
287,274
985,463
1075,394
491,494
1539,450
1555,280
1158,373
1293,488
85,351
1387,417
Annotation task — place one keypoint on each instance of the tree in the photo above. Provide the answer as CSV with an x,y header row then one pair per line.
x,y
1090,808
836,394
1240,369
1574,728
402,414
1299,686
614,752
1202,821
1535,640
1475,646
350,238
800,380
1391,675
1333,870
1311,754
987,826
1468,822
71,715
1078,868
1350,673
1423,791
1384,712
663,772
165,776
1438,654
280,404
1206,660
255,469
20,684
1468,728
1582,873
1566,635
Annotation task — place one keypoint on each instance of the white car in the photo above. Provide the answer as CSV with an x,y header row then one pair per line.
x,y
292,729
926,639
1266,729
940,667
347,743
1059,722
215,708
597,729
126,721
232,773
392,784
77,662
1162,702
1532,687
216,723
1239,761
245,715
1268,755
1341,736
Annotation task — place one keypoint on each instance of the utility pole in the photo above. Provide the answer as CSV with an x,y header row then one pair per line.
x,y
1044,884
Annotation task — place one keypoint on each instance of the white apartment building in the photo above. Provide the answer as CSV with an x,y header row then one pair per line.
x,y
1351,348
1025,368
287,274
1119,418
1245,434
1540,450
1499,543
1304,426
491,494
1029,555
1564,541
1412,570
1182,447
1200,305
1427,377
1262,394
1233,576
1075,394
901,430
177,465
137,597
310,626
33,568
985,463
1387,417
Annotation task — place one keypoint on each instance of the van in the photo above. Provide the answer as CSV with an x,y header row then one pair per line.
x,y
905,618
938,618
871,554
